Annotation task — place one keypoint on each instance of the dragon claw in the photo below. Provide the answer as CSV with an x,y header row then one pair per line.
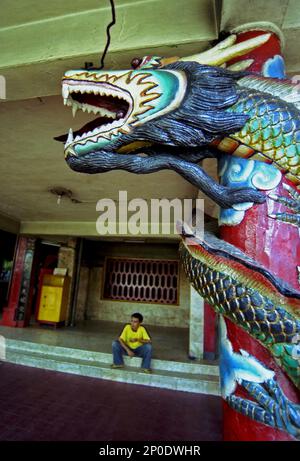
x,y
270,406
292,202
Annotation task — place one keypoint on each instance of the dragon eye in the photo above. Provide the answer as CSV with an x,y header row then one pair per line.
x,y
136,62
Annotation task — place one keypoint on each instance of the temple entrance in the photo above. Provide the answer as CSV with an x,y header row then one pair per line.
x,y
110,280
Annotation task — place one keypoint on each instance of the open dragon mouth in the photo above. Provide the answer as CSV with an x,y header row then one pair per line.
x,y
110,104
121,101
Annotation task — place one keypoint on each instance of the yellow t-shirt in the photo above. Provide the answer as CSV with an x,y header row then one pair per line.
x,y
128,334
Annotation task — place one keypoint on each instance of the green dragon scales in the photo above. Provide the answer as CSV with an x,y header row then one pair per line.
x,y
249,295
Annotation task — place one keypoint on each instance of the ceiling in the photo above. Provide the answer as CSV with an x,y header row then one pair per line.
x,y
39,41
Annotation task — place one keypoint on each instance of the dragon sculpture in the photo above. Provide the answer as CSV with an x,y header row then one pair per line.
x,y
173,113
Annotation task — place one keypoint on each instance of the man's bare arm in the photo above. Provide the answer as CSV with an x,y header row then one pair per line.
x,y
129,351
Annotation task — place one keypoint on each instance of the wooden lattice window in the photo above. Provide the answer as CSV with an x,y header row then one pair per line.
x,y
146,280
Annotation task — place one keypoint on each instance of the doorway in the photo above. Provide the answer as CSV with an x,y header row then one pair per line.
x,y
45,260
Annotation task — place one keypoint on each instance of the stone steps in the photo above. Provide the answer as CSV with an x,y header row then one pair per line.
x,y
190,377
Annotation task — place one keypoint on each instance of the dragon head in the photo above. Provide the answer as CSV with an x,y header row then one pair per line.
x,y
122,101
182,104
160,114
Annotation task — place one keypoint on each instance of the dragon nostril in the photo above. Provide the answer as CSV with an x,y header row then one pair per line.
x,y
136,62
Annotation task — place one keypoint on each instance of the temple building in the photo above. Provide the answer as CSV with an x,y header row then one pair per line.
x,y
68,284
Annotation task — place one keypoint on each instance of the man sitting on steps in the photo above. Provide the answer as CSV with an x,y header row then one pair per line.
x,y
135,342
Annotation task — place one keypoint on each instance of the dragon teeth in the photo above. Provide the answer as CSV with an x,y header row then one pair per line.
x,y
112,127
70,137
65,91
105,112
90,109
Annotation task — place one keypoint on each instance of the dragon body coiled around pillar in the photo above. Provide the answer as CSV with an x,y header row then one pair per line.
x,y
246,293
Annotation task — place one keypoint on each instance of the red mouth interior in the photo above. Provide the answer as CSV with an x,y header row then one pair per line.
x,y
118,106
107,102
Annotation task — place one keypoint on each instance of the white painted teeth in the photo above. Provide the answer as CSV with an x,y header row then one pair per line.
x,y
65,91
70,137
106,113
92,109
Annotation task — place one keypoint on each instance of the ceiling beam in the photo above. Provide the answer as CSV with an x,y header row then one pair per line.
x,y
9,224
35,54
83,228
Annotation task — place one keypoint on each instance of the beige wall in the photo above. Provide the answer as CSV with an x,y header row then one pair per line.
x,y
120,311
97,308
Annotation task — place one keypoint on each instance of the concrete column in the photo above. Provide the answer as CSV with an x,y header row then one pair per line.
x,y
196,325
82,293
66,259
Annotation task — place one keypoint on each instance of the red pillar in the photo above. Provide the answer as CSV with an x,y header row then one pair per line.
x,y
277,246
210,333
17,313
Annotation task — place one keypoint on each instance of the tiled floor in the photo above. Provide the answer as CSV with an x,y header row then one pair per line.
x,y
37,404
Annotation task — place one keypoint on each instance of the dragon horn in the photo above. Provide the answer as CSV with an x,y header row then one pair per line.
x,y
227,49
197,57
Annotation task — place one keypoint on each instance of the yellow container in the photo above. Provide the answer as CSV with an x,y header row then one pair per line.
x,y
54,280
54,299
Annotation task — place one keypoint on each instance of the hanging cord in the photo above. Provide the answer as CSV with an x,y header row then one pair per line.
x,y
113,13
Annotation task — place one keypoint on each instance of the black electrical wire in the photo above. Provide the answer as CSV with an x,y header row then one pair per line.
x,y
113,12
